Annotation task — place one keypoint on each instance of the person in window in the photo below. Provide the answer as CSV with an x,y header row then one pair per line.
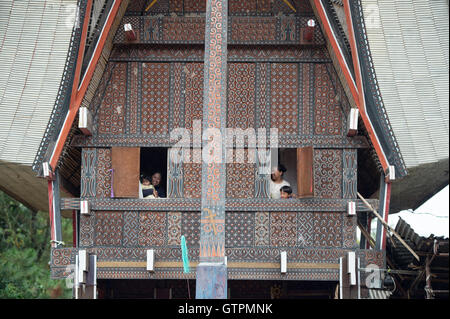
x,y
286,192
277,181
147,187
156,182
151,187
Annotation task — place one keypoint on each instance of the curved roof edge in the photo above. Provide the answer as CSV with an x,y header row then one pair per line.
x,y
375,106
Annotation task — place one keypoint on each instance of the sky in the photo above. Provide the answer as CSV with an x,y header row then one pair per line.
x,y
430,218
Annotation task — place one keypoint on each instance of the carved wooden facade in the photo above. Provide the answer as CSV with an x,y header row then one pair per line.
x,y
274,80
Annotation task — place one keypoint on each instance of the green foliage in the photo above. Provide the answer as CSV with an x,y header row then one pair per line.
x,y
25,252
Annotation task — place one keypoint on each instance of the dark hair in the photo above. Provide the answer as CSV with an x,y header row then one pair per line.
x,y
281,168
286,189
142,177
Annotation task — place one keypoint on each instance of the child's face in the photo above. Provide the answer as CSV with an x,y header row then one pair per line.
x,y
145,182
285,195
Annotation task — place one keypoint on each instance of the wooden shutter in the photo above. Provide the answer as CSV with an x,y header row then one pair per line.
x,y
126,166
305,172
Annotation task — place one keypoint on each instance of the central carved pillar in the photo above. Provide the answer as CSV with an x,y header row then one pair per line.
x,y
211,271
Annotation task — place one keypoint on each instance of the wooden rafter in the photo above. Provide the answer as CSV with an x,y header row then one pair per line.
x,y
80,86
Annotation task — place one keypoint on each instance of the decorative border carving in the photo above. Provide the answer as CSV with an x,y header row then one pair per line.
x,y
247,204
274,30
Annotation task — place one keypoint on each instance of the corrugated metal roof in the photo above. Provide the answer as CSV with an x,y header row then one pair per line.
x,y
409,42
34,41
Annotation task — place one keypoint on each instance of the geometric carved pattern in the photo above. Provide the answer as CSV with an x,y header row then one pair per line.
x,y
239,6
241,95
152,228
239,230
190,228
178,97
259,30
283,229
305,223
262,229
349,231
108,228
284,103
132,98
256,29
194,93
327,230
112,109
151,29
87,230
240,180
155,98
261,95
327,173
195,6
130,229
176,5
307,99
175,29
254,53
175,174
328,117
349,183
103,172
88,162
288,29
192,180
173,228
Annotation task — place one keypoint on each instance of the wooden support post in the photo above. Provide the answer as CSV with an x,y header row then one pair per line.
x,y
85,276
390,174
130,34
211,271
84,207
353,122
351,208
283,256
150,260
85,121
47,172
389,228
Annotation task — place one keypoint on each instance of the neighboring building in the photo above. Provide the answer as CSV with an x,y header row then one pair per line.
x,y
423,278
306,68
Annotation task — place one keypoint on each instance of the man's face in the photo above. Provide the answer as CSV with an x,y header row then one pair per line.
x,y
156,179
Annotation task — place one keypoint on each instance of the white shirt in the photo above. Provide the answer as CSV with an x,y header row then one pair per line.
x,y
275,188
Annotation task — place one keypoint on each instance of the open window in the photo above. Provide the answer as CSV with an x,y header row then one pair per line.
x,y
288,157
299,163
129,163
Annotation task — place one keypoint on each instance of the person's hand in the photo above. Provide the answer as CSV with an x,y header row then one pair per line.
x,y
155,193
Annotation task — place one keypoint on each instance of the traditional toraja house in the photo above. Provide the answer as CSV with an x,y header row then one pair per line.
x,y
139,71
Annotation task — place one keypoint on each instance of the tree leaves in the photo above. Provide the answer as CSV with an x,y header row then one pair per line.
x,y
25,252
